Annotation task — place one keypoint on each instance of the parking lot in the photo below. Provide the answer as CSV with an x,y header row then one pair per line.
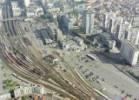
x,y
103,76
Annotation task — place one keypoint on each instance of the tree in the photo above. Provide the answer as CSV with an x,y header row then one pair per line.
x,y
9,84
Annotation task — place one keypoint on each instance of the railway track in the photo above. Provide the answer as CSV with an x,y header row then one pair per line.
x,y
15,33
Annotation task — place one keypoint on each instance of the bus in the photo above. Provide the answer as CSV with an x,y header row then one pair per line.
x,y
92,56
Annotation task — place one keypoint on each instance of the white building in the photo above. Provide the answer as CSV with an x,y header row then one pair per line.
x,y
27,3
34,11
129,52
135,20
5,96
15,8
134,36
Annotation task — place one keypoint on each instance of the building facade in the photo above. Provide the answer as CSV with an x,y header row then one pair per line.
x,y
129,52
27,3
89,22
15,8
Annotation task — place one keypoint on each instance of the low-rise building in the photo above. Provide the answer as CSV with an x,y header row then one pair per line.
x,y
104,40
34,11
80,6
79,41
71,45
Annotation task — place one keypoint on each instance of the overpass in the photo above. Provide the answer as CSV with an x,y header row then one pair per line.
x,y
12,19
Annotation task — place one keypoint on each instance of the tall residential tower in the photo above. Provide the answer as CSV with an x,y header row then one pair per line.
x,y
89,22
